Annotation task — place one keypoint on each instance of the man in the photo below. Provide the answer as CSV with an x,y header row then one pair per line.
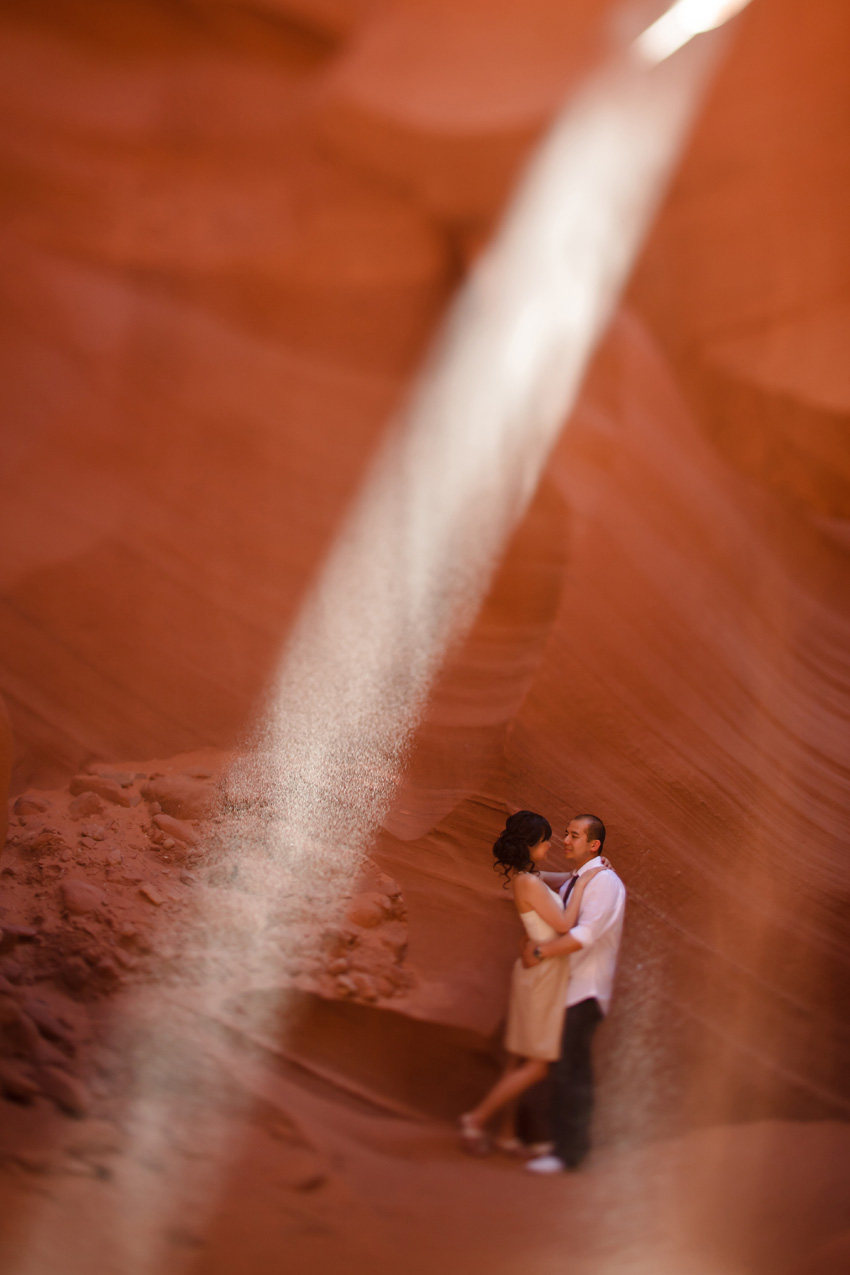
x,y
592,944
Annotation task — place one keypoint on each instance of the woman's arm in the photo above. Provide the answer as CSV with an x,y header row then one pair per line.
x,y
531,895
555,879
573,907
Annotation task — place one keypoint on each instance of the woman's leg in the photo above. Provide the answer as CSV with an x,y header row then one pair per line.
x,y
507,1125
514,1082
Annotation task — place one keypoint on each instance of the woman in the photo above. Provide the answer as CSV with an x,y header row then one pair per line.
x,y
539,994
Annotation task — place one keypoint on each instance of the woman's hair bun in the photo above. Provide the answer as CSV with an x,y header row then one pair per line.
x,y
511,849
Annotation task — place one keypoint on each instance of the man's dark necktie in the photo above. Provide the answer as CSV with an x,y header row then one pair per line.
x,y
570,888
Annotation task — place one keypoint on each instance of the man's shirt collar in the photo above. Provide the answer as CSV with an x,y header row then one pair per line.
x,y
591,863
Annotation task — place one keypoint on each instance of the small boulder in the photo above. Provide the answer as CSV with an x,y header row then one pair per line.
x,y
46,1052
10,935
103,787
125,778
95,1138
364,986
176,828
93,830
17,1080
88,803
181,796
68,1092
368,909
49,1024
75,972
151,893
389,887
27,804
18,1033
48,839
80,898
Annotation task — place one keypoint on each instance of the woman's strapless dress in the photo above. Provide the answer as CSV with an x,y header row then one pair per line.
x,y
538,998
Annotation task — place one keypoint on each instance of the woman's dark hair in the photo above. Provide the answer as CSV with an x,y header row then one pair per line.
x,y
511,848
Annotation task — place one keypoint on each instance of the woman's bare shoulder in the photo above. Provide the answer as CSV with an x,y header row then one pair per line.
x,y
527,885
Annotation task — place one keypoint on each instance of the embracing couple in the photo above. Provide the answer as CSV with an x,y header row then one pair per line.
x,y
561,985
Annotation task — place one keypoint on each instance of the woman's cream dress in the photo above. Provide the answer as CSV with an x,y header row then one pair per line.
x,y
538,997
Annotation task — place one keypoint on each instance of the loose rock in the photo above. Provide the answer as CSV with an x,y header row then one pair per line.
x,y
48,1023
10,935
68,1092
95,1138
368,909
93,830
176,828
80,898
76,972
26,804
17,1080
364,986
88,803
151,893
108,789
18,1033
125,778
181,796
45,1052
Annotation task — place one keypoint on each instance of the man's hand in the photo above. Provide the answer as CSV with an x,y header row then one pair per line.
x,y
528,958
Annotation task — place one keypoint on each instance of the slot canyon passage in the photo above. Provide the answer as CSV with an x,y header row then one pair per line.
x,y
230,232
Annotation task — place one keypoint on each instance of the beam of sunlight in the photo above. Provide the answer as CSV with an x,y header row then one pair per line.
x,y
681,22
412,563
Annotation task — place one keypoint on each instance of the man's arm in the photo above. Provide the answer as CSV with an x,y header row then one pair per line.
x,y
602,903
561,946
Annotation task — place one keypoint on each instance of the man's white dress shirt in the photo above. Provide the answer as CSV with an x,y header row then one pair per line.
x,y
599,929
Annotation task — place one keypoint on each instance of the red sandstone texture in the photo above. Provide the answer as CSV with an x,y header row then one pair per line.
x,y
229,232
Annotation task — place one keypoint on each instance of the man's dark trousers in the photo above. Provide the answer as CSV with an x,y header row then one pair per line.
x,y
572,1075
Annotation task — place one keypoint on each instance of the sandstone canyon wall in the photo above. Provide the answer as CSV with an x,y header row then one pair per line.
x,y
229,232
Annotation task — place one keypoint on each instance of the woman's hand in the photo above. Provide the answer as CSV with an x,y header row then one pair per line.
x,y
586,877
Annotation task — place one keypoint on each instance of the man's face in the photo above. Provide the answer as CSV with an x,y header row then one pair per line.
x,y
577,848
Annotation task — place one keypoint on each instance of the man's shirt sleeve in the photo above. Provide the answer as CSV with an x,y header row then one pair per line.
x,y
602,903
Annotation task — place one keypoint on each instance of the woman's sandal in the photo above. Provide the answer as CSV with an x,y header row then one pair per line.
x,y
473,1139
512,1147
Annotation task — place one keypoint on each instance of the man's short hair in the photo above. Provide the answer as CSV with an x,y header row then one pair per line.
x,y
595,828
